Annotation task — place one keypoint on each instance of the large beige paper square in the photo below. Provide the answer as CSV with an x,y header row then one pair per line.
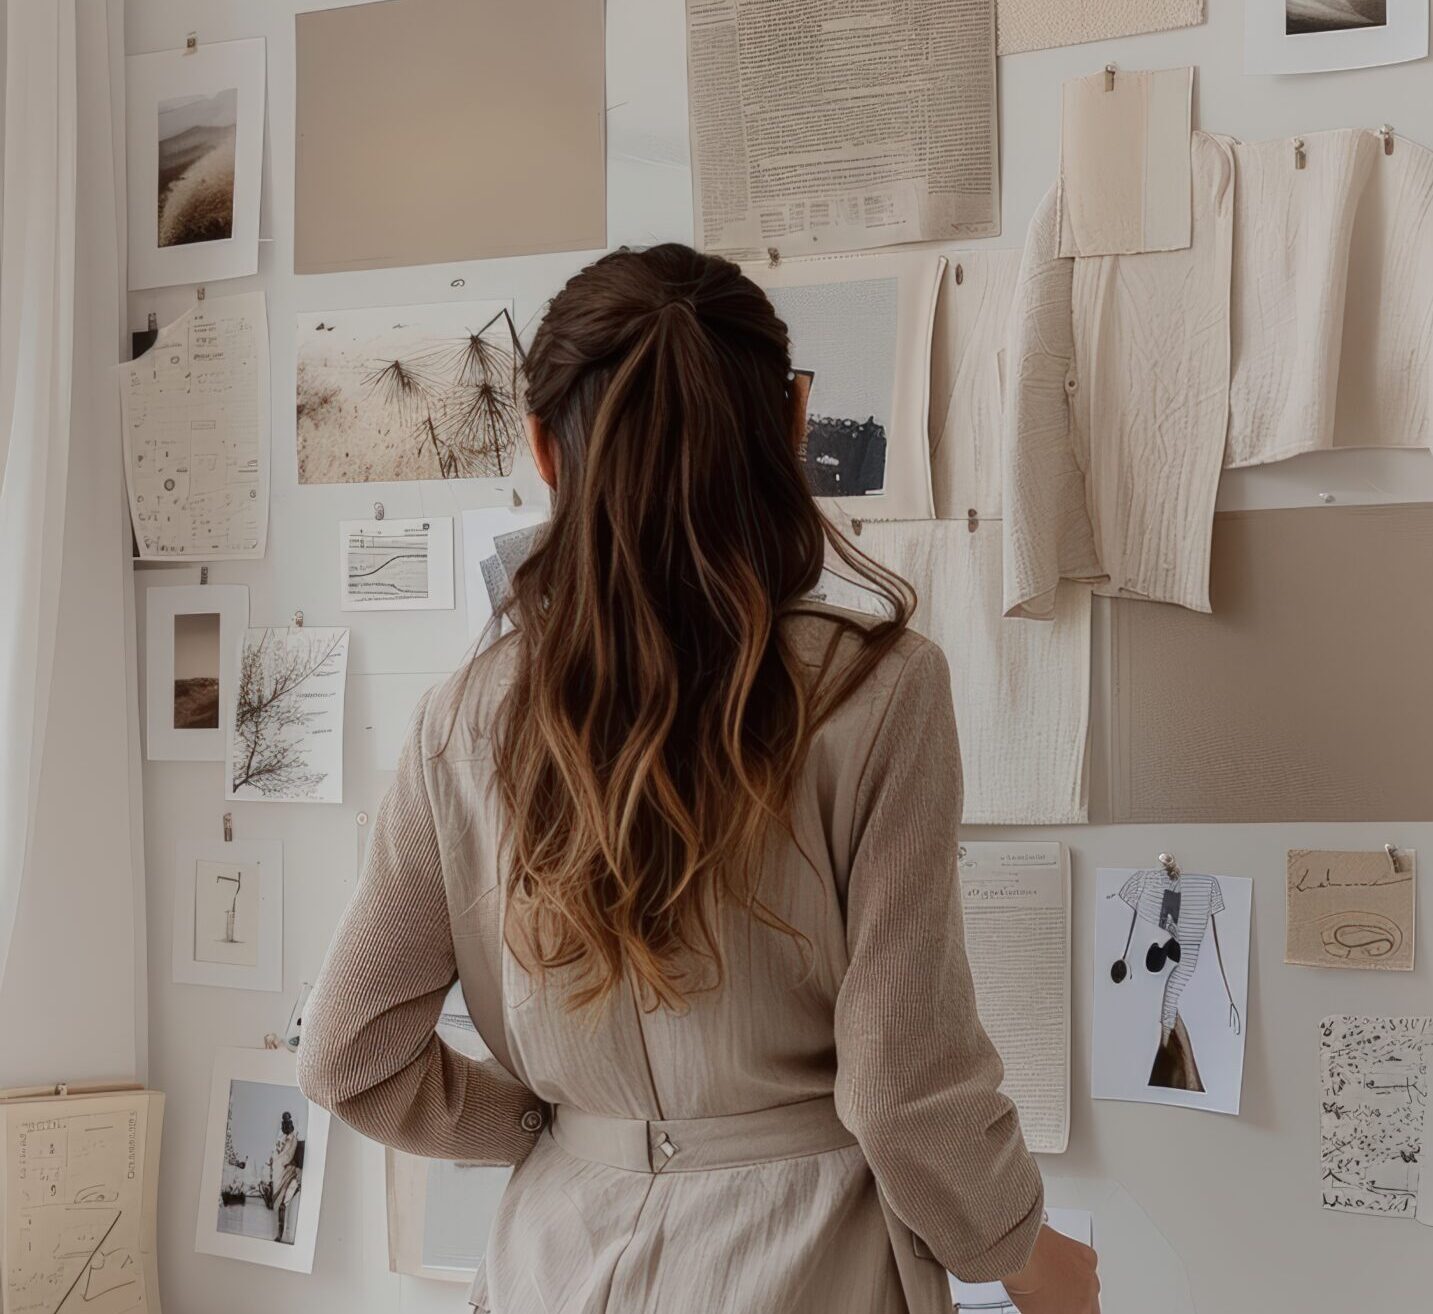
x,y
423,137
1125,176
1351,910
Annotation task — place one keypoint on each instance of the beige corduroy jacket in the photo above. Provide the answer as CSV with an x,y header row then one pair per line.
x,y
820,1136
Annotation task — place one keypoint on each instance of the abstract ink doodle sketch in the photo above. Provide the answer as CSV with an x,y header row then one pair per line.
x,y
1374,1077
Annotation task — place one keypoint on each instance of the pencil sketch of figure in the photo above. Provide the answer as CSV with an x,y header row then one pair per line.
x,y
1333,15
1181,908
844,335
389,395
271,717
196,168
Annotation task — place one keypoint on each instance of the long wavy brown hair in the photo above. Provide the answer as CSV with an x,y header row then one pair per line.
x,y
659,718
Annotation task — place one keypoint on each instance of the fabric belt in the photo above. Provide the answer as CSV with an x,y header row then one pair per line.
x,y
677,1145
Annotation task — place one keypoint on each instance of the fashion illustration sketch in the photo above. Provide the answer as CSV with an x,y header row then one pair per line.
x,y
1167,1029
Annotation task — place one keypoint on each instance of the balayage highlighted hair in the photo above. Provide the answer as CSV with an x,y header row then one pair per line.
x,y
658,720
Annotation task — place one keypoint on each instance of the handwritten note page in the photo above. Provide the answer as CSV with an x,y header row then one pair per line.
x,y
1351,910
195,411
1017,935
1375,1093
79,1204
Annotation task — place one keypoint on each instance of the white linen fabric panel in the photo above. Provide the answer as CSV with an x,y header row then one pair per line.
x,y
1041,24
967,360
1125,163
1332,297
1021,691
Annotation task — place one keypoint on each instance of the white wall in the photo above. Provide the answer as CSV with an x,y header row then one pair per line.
x,y
1237,1199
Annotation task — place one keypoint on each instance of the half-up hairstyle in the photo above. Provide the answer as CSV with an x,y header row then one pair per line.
x,y
658,719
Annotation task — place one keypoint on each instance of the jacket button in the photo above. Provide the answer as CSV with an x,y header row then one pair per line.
x,y
532,1121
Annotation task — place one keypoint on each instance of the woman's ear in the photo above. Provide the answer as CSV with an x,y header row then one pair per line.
x,y
544,450
799,393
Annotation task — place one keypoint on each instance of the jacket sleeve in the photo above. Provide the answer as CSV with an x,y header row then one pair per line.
x,y
918,1079
369,1050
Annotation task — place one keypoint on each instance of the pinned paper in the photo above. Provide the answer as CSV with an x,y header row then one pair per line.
x,y
1351,910
1125,174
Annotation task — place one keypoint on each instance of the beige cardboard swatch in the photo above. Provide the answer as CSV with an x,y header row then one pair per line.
x,y
422,136
1304,696
1042,24
1351,910
1125,182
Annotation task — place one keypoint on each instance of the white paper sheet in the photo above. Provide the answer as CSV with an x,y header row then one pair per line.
x,y
1125,183
211,878
991,1297
1315,36
496,540
195,410
286,735
863,326
195,159
819,129
1374,1096
78,1211
396,565
192,637
408,392
1016,899
1201,1000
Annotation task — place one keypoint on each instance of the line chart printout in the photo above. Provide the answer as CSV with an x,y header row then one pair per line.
x,y
80,1195
195,410
396,565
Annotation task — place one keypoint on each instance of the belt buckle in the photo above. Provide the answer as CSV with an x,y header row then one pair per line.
x,y
661,1148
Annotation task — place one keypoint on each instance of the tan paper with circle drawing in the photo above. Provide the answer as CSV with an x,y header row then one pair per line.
x,y
423,136
1351,910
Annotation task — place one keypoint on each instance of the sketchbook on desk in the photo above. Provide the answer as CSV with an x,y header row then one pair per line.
x,y
79,1201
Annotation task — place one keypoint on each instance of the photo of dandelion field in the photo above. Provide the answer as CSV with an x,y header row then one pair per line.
x,y
196,168
414,392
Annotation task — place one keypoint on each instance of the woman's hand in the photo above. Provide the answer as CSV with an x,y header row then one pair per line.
x,y
1059,1279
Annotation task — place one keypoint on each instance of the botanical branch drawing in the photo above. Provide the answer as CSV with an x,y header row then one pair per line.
x,y
426,392
281,708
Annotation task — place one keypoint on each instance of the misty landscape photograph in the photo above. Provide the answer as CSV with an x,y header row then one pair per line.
x,y
196,168
1333,15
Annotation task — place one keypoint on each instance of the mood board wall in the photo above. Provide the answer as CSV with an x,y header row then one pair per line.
x,y
1192,1211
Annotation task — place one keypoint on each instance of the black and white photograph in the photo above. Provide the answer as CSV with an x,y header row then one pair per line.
x,y
1333,15
196,670
1321,36
264,1160
845,335
192,636
396,565
229,912
196,167
408,392
286,740
195,129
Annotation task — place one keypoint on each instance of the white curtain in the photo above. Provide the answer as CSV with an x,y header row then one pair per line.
x,y
37,321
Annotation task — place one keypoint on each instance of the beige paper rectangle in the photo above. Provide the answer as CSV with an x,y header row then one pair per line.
x,y
1043,24
424,137
1125,177
1304,696
1351,910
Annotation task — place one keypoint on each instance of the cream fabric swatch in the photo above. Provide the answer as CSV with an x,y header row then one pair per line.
x,y
1118,410
1351,910
1041,24
1332,297
1021,691
967,361
1125,163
